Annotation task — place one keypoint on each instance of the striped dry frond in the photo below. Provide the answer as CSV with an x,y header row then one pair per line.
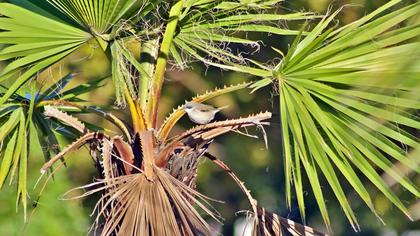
x,y
265,223
347,96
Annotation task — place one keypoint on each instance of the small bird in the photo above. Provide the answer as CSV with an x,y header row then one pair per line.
x,y
201,113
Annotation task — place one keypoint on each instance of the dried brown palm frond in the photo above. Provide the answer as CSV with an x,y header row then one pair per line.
x,y
266,223
183,162
148,203
124,150
202,134
73,146
51,111
181,157
144,207
108,167
211,130
147,187
72,122
65,118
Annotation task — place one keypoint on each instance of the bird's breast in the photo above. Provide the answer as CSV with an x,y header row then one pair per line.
x,y
200,117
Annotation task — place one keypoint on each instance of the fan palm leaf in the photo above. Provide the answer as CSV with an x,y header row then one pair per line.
x,y
345,97
208,27
100,16
23,124
34,42
39,34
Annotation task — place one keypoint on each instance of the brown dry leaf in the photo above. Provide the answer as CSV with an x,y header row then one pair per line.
x,y
211,130
76,144
148,203
147,146
109,171
270,224
183,162
205,133
143,207
125,153
266,223
297,229
65,118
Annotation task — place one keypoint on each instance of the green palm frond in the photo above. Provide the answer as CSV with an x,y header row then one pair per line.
x,y
39,34
34,42
15,155
14,133
99,16
122,76
345,98
208,27
23,124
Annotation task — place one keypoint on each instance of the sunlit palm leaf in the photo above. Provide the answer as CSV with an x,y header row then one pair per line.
x,y
100,15
14,162
122,77
23,119
344,95
34,41
208,27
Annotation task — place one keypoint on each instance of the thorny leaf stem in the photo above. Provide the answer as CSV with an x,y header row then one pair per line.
x,y
108,116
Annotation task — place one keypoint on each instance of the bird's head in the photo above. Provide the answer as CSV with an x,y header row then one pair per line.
x,y
189,106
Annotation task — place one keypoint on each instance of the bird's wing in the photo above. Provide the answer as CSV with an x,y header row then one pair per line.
x,y
205,108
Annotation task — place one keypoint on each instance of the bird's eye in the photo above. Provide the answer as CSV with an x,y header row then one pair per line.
x,y
188,107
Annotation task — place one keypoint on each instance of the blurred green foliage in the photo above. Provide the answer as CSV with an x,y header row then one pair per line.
x,y
262,170
51,216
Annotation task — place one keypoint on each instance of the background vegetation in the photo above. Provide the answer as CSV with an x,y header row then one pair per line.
x,y
261,169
